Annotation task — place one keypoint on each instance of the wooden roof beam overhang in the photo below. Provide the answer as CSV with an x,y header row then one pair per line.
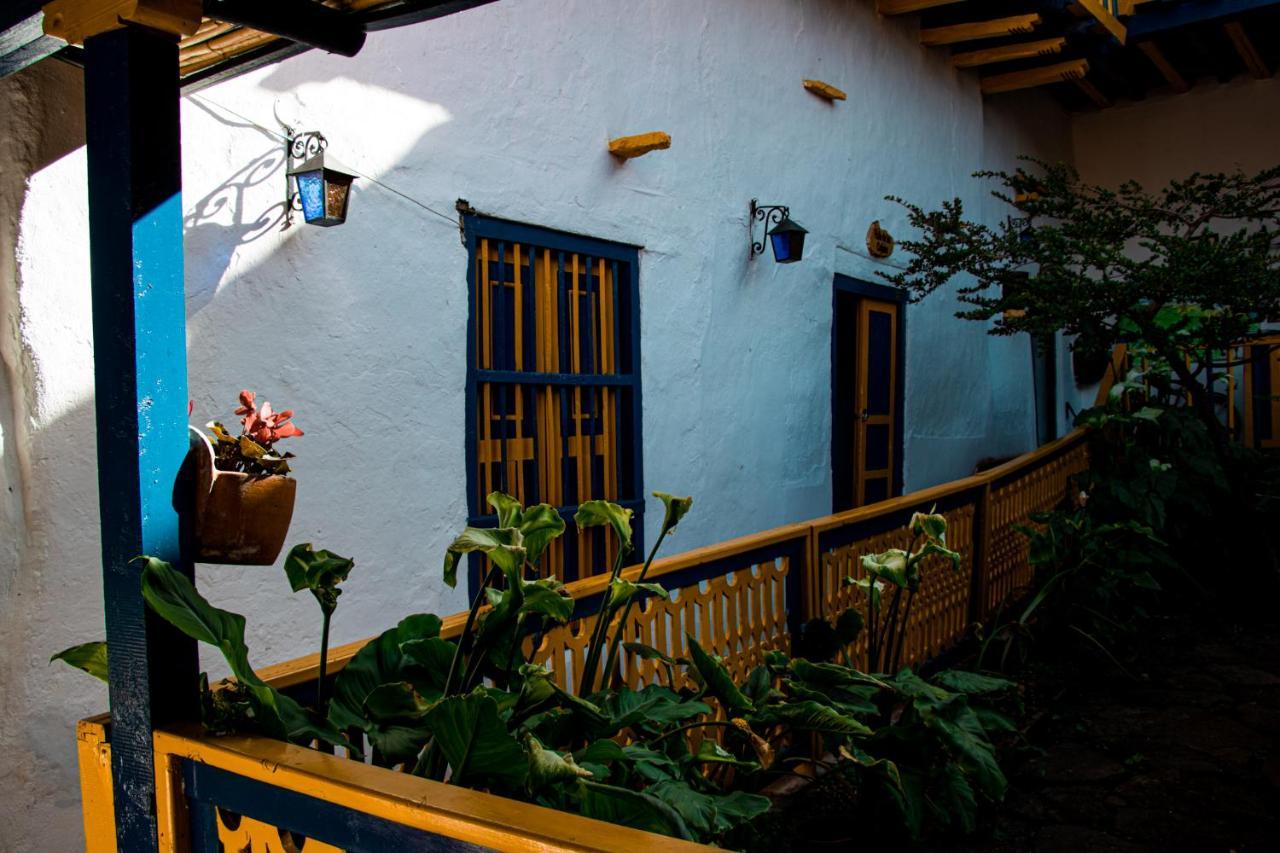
x,y
1009,52
975,30
1153,52
1248,53
25,43
905,7
1030,78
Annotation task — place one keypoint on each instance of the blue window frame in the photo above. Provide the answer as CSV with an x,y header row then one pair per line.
x,y
553,381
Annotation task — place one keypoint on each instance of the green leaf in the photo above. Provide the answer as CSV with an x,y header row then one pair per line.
x,y
966,737
546,597
653,706
504,546
631,808
547,767
90,657
508,508
599,513
960,681
674,509
738,808
698,810
622,590
319,571
892,566
539,690
385,660
717,680
932,526
811,715
540,525
710,752
960,802
476,742
396,722
601,752
650,764
174,598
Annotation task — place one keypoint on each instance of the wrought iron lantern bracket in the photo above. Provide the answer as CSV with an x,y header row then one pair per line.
x,y
299,147
768,214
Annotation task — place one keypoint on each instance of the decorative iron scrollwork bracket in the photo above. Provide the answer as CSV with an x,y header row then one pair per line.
x,y
770,215
299,147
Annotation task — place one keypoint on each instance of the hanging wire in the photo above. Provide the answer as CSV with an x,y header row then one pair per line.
x,y
453,222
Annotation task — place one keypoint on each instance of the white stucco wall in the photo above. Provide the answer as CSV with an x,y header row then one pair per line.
x,y
361,329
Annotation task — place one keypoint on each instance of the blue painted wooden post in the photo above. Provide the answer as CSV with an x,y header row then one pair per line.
x,y
140,372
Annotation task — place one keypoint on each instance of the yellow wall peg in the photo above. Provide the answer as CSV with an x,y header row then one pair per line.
x,y
626,147
73,21
825,90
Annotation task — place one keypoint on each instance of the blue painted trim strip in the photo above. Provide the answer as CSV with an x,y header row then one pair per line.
x,y
352,831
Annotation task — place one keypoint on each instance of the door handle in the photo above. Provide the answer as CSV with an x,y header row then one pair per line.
x,y
864,416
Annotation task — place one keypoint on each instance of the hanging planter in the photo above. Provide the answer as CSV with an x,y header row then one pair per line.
x,y
244,496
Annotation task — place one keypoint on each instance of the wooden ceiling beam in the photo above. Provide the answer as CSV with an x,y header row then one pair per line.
x,y
1009,52
1248,53
1074,69
974,30
904,7
1094,94
1153,52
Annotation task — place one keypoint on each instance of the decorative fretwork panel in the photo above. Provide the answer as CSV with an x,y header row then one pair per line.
x,y
1038,489
737,615
939,613
554,380
238,834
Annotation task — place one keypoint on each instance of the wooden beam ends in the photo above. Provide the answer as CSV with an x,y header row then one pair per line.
x,y
73,21
1009,52
825,90
627,147
974,30
1074,69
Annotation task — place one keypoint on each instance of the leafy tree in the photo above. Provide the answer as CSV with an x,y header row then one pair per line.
x,y
1191,268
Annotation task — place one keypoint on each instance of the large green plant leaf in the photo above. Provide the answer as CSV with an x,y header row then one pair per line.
x,y
652,707
396,724
972,683
631,808
540,525
386,660
622,590
598,513
964,734
810,715
174,598
476,742
90,657
717,679
319,571
503,545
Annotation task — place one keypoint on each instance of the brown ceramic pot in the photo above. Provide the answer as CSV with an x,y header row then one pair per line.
x,y
241,519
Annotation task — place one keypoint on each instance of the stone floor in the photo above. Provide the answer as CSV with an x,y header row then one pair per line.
x,y
1181,754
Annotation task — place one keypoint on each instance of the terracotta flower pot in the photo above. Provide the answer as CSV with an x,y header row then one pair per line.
x,y
241,519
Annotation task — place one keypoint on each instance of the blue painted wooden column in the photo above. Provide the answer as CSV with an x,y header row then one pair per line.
x,y
140,372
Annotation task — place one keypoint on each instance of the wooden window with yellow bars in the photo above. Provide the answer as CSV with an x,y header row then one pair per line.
x,y
553,390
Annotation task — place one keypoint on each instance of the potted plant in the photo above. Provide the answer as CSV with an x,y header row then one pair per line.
x,y
244,496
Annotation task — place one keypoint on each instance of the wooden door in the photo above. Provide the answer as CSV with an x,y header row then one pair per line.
x,y
866,400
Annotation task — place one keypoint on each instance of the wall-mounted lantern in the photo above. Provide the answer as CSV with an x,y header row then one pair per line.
x,y
786,236
319,189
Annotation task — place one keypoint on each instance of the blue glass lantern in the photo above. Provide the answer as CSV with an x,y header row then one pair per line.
x,y
322,191
787,238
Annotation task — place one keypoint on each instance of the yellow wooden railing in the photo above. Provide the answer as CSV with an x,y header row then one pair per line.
x,y
740,598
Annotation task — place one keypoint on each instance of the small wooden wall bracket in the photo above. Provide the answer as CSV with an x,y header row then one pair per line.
x,y
73,21
879,241
825,91
627,147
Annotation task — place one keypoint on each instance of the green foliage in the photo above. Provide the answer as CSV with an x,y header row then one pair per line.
x,y
319,571
90,657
